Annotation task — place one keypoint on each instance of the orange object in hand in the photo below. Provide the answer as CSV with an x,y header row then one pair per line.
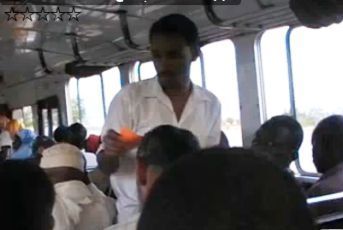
x,y
130,137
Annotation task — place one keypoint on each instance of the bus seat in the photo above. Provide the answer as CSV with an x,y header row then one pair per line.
x,y
327,210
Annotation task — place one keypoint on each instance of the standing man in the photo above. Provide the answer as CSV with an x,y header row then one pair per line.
x,y
170,98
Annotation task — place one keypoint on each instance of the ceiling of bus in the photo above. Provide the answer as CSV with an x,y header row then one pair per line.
x,y
100,38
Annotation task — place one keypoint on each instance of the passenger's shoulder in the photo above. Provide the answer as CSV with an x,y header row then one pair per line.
x,y
137,89
206,94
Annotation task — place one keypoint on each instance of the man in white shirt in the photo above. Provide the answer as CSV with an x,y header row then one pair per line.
x,y
79,205
160,148
169,98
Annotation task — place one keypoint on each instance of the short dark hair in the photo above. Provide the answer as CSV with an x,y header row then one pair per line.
x,y
279,139
275,126
165,144
176,24
62,134
78,135
225,189
327,140
27,196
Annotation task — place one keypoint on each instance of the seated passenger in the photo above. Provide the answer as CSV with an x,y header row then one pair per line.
x,y
26,197
22,145
219,189
279,139
79,204
327,142
160,148
62,134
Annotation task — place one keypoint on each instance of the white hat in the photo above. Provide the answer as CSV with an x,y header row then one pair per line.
x,y
63,155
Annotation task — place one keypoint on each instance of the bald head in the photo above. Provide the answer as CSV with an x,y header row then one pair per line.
x,y
280,139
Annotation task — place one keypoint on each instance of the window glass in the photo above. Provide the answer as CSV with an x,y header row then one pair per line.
x,y
317,69
112,84
147,70
28,118
275,72
221,80
73,100
91,104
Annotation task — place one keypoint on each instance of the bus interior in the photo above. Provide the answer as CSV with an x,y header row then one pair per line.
x,y
256,57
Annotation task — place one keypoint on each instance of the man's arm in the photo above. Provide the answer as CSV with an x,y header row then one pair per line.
x,y
108,164
111,147
215,130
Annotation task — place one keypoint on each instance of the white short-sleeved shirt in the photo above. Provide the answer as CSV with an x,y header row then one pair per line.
x,y
5,138
143,106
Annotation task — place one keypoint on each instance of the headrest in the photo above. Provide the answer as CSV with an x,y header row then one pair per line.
x,y
63,155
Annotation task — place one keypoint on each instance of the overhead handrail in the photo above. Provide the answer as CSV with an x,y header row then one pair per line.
x,y
217,21
124,25
43,62
76,50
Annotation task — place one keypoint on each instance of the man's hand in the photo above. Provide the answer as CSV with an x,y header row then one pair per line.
x,y
115,144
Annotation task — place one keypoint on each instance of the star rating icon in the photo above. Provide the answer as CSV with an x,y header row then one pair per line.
x,y
11,15
57,15
27,14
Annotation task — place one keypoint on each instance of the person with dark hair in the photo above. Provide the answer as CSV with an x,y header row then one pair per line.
x,y
26,197
217,189
327,142
279,139
159,149
62,134
169,98
78,135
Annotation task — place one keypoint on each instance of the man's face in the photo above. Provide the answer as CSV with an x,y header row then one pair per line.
x,y
172,58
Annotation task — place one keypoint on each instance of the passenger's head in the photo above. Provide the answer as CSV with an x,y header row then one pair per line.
x,y
63,162
78,135
327,142
174,42
62,134
13,127
27,197
160,148
225,189
279,139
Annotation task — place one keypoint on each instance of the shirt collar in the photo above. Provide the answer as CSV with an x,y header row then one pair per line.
x,y
155,90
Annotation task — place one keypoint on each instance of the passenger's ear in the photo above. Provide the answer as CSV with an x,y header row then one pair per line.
x,y
141,172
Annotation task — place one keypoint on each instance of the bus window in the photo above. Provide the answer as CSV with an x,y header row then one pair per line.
x,y
275,73
221,79
74,103
90,94
147,70
112,84
317,73
196,72
28,118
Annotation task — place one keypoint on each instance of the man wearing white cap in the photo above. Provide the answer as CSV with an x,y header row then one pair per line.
x,y
79,204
